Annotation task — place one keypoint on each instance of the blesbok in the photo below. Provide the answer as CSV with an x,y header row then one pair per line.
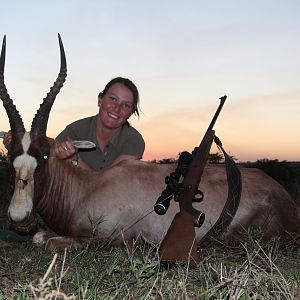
x,y
120,199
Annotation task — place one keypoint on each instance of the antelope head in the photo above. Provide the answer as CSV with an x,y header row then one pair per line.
x,y
28,151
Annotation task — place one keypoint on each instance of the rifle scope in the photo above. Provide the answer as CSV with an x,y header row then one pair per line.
x,y
173,186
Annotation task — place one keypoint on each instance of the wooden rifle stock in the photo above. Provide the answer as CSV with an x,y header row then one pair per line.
x,y
179,244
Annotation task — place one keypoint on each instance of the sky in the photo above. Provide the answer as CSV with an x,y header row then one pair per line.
x,y
182,55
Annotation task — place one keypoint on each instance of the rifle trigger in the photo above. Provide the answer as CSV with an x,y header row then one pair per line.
x,y
188,187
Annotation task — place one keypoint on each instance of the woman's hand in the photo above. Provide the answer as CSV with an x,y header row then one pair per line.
x,y
65,149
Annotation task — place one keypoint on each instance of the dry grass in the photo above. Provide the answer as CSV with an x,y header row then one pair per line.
x,y
251,271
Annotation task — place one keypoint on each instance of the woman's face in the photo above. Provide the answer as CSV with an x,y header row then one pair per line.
x,y
116,106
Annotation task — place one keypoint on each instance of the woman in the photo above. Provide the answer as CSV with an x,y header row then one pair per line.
x,y
115,138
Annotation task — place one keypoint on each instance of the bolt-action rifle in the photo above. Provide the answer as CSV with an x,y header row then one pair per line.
x,y
180,243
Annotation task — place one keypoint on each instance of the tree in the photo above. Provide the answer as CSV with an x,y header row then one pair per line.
x,y
215,158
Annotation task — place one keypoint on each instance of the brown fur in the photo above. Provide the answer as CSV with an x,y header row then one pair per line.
x,y
119,196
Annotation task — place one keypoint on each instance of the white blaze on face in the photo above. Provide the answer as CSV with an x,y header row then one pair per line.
x,y
22,200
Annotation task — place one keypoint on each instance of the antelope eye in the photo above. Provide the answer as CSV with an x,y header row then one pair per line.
x,y
45,157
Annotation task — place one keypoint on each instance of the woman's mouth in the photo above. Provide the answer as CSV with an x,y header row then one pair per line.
x,y
113,116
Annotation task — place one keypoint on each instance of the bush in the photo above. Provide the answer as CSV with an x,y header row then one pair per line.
x,y
286,173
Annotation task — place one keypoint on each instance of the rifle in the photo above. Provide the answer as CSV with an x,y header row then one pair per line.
x,y
180,243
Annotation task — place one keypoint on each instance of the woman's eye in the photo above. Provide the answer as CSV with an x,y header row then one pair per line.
x,y
127,106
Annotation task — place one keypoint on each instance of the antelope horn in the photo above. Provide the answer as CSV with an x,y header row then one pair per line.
x,y
15,120
40,120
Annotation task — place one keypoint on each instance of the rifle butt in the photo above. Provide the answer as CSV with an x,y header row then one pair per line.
x,y
179,244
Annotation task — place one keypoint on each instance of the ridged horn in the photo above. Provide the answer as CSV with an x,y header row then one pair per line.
x,y
40,120
15,120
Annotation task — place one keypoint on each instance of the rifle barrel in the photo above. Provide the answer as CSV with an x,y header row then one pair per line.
x,y
213,121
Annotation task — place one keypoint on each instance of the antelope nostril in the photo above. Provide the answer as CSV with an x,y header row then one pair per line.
x,y
23,181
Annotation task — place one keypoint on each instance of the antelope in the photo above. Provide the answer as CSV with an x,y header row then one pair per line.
x,y
117,202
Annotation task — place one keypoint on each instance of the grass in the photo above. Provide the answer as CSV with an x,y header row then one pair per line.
x,y
254,270
250,271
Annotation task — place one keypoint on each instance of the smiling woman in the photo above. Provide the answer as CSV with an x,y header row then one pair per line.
x,y
116,107
114,138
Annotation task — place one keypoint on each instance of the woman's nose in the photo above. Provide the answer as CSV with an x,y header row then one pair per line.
x,y
117,107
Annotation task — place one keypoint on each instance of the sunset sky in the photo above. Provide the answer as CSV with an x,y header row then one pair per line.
x,y
182,55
